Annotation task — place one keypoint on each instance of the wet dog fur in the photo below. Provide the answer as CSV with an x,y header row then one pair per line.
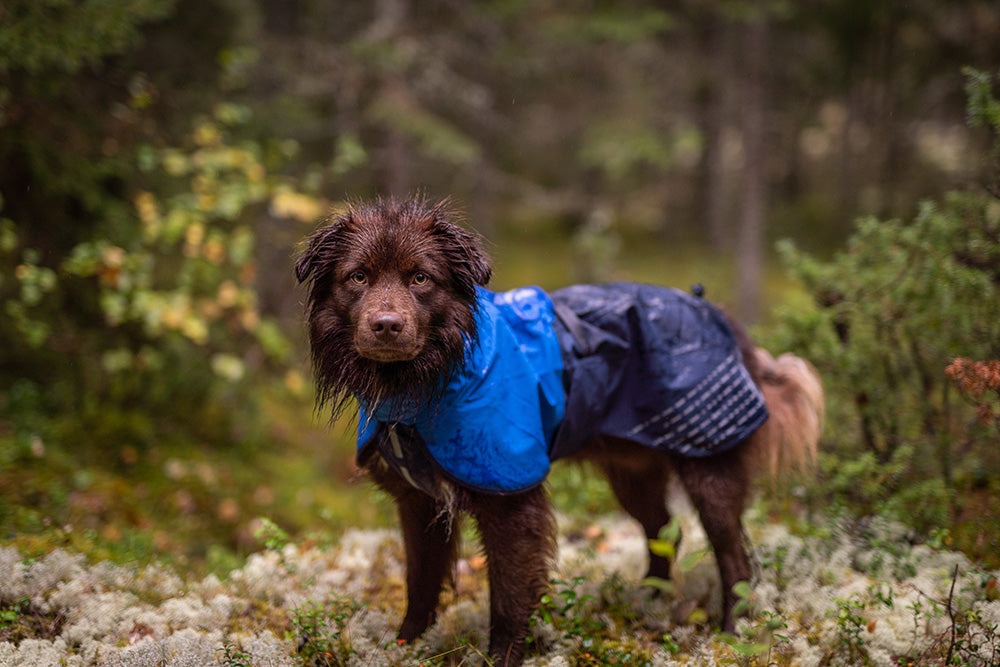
x,y
391,294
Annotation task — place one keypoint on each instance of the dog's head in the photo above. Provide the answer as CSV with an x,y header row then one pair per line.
x,y
392,298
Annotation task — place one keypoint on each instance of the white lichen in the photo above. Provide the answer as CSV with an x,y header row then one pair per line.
x,y
897,595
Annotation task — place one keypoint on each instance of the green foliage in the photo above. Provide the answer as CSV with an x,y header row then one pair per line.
x,y
895,308
984,108
575,616
851,625
36,35
436,137
611,24
621,147
172,302
861,484
580,489
968,637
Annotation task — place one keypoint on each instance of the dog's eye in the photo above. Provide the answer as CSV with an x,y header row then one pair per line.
x,y
359,278
419,278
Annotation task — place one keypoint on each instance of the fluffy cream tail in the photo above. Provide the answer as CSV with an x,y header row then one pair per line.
x,y
789,439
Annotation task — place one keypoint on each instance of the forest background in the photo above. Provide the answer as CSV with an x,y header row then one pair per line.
x,y
827,169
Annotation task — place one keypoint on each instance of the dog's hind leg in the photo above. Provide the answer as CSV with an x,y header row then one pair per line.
x,y
518,536
640,485
718,487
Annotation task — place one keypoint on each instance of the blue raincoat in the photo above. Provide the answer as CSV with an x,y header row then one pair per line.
x,y
547,374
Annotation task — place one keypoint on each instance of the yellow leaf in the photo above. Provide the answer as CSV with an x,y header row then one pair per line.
x,y
295,383
227,294
288,204
113,256
250,319
145,205
206,134
214,251
195,328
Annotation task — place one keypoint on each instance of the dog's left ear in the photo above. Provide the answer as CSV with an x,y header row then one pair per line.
x,y
317,251
469,263
306,263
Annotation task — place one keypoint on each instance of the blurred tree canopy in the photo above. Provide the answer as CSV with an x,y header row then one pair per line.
x,y
160,159
725,123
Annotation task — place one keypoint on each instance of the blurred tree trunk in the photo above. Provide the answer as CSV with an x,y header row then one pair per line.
x,y
888,125
281,17
280,25
713,199
754,184
395,153
482,199
390,22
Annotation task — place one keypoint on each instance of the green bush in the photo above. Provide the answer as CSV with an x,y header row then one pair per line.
x,y
163,316
893,310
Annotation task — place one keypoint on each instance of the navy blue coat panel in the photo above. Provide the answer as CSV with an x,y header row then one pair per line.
x,y
653,365
548,373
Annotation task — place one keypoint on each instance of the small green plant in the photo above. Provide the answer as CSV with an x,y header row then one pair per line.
x,y
666,544
566,610
744,592
602,653
669,645
320,632
760,641
775,560
970,638
850,625
274,538
11,614
20,619
570,613
271,535
233,657
666,541
756,644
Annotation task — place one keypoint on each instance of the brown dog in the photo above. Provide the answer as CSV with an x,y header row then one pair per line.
x,y
396,317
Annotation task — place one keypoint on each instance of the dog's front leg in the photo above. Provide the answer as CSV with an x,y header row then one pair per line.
x,y
430,538
518,535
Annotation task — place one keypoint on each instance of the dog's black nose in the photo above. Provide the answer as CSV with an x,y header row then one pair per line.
x,y
386,324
